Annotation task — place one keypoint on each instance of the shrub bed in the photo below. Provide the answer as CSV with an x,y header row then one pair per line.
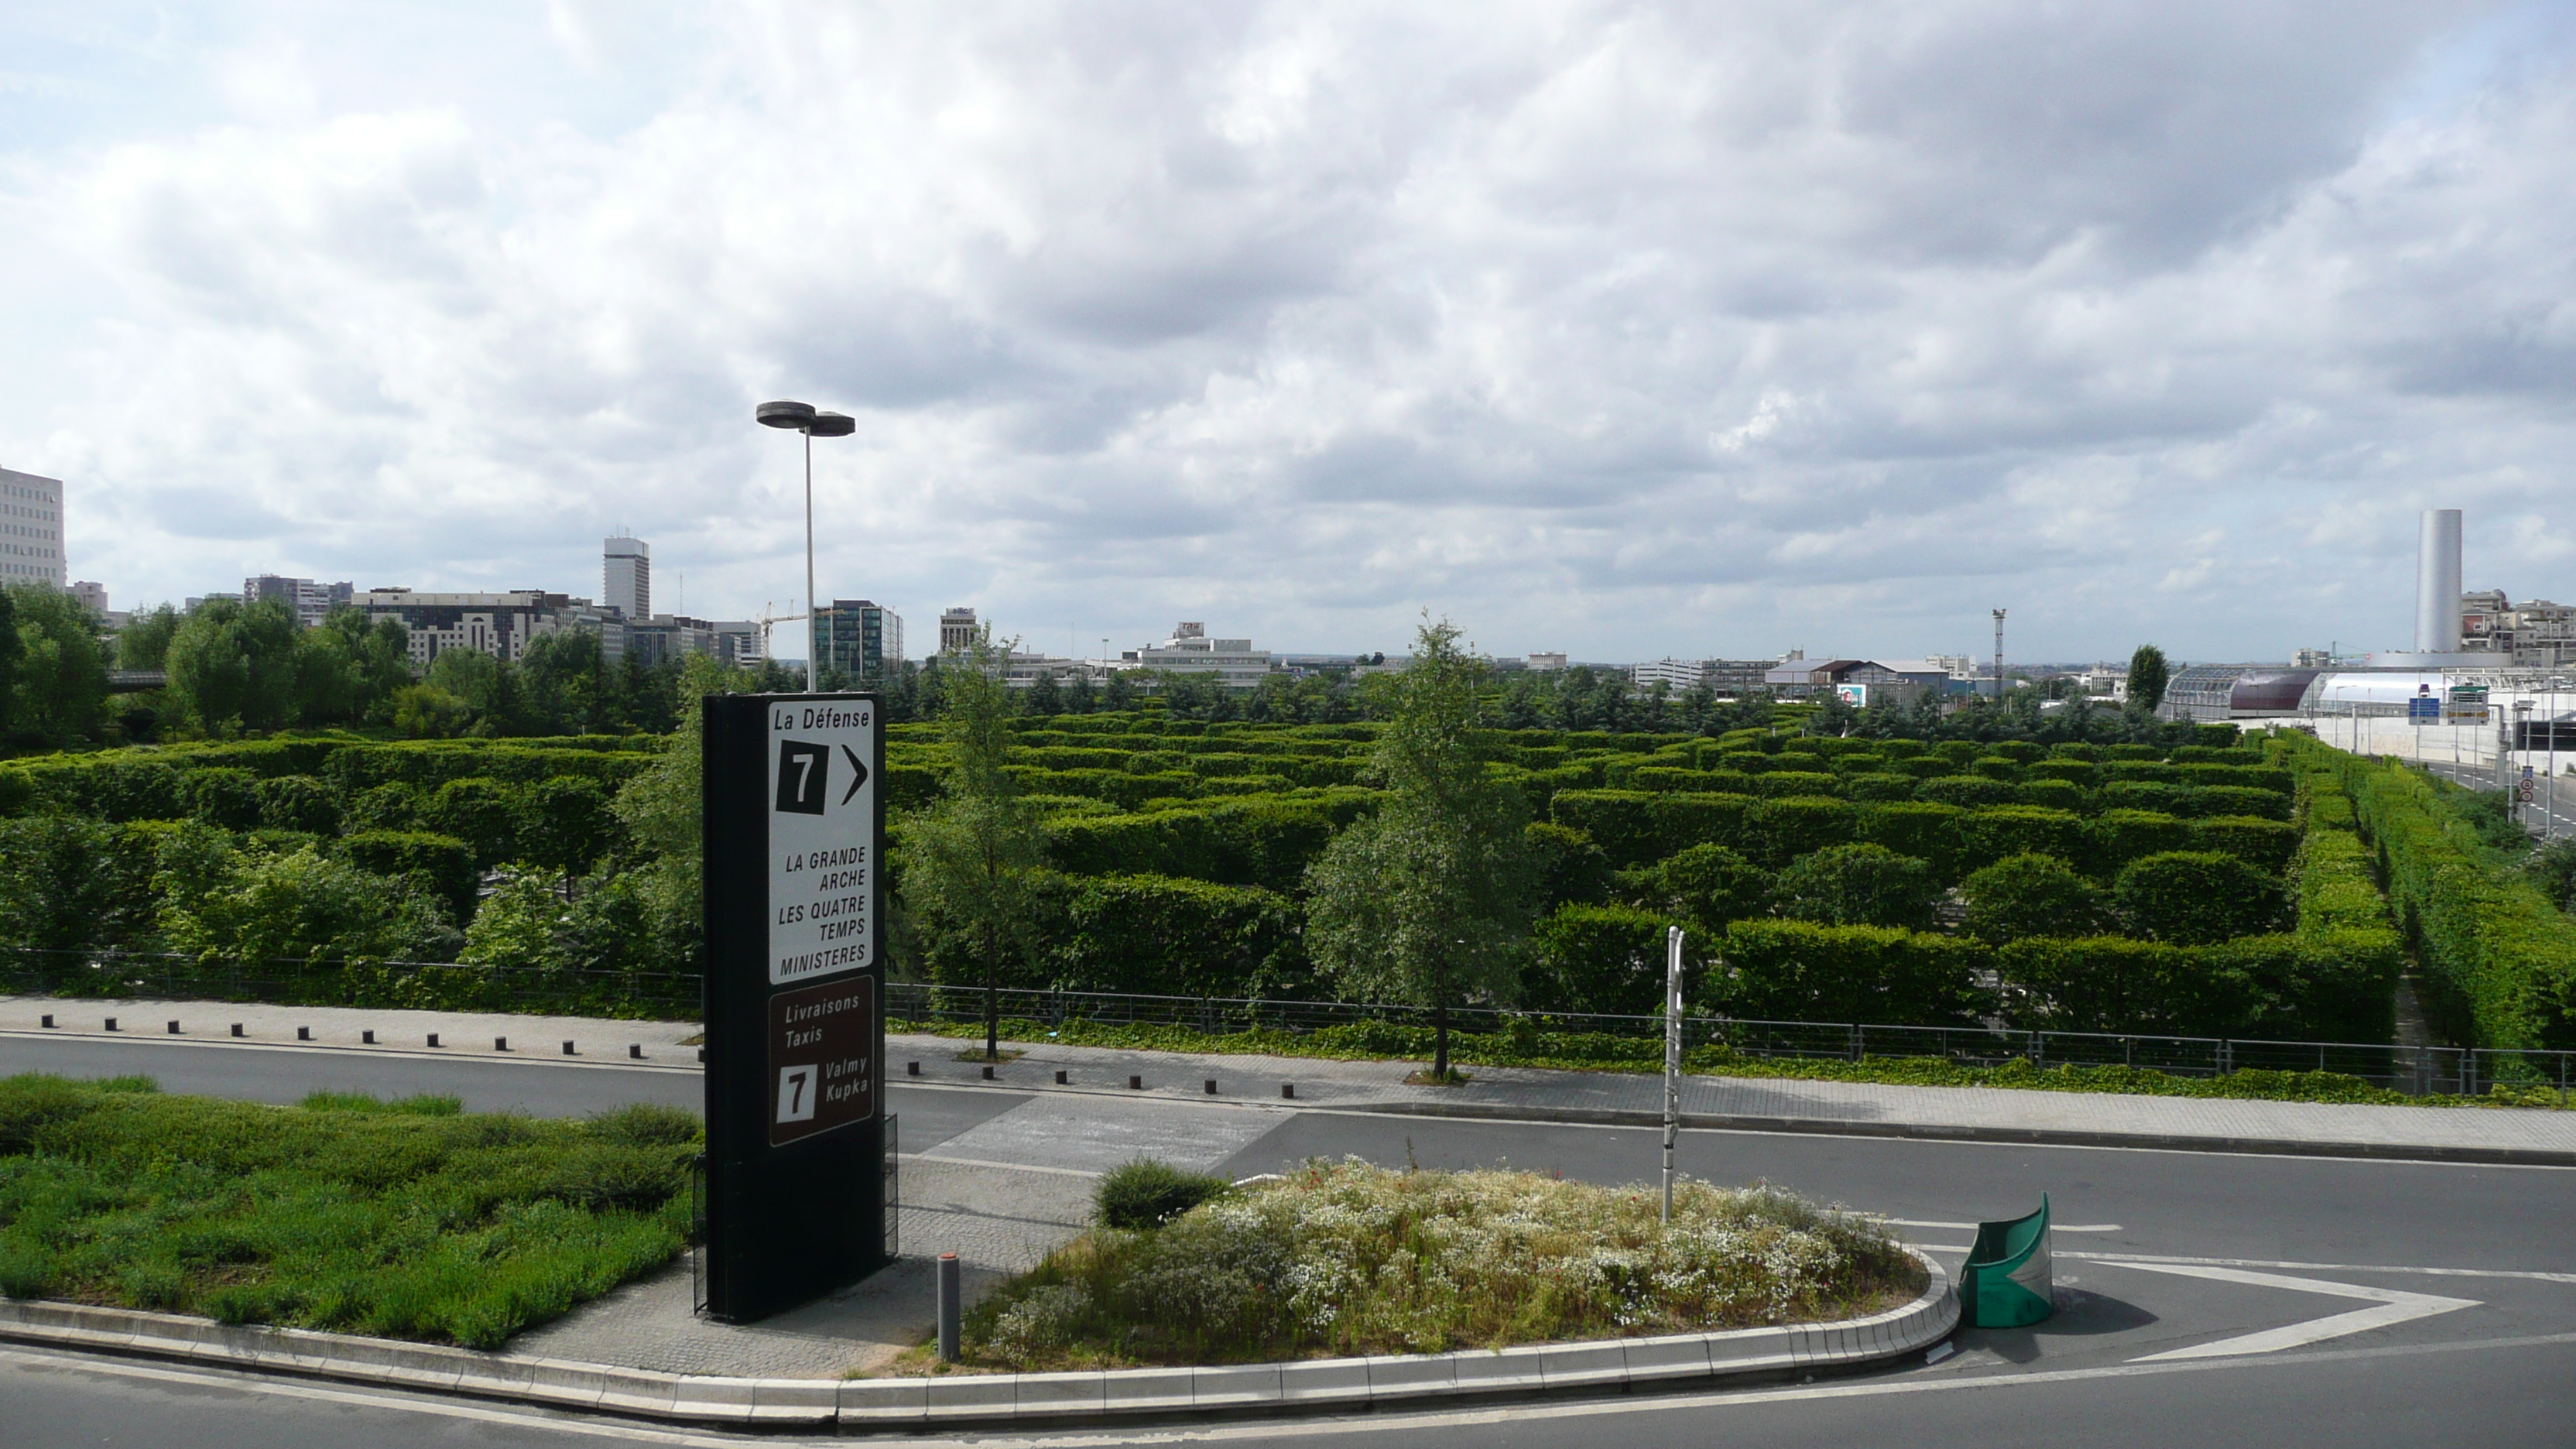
x,y
402,1220
1342,1259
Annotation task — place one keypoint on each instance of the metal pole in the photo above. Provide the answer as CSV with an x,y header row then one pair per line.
x,y
813,616
1672,1056
951,1307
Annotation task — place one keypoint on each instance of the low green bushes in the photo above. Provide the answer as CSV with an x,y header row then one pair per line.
x,y
1349,1259
1781,970
1147,1193
399,1220
2500,955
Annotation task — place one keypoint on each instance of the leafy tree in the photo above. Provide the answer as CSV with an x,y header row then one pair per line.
x,y
221,904
2148,676
427,712
484,813
2031,895
970,860
568,824
233,665
1570,867
1429,900
144,642
2553,869
12,650
1707,886
562,677
1858,885
60,678
473,677
2193,897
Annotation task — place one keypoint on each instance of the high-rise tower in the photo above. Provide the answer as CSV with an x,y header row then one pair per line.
x,y
627,578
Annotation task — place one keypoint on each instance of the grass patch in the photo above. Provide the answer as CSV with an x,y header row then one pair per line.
x,y
421,1106
1602,1052
1345,1258
404,1219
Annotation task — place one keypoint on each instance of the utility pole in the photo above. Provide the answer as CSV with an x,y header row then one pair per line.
x,y
1999,656
1672,1057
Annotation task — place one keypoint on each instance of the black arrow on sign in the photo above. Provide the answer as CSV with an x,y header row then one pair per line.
x,y
858,774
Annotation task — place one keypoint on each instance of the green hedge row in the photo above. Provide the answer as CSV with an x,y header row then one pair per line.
x,y
1637,827
2501,956
155,783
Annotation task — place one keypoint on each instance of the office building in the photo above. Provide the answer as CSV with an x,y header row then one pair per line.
x,y
1734,676
1546,663
860,639
1676,675
626,578
31,530
1235,663
501,625
956,630
92,595
309,600
1858,681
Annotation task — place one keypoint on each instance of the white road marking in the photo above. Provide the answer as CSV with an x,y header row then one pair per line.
x,y
2394,1307
2142,1259
1005,1166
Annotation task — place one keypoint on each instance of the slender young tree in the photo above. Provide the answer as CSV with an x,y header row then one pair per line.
x,y
970,860
1430,900
2148,675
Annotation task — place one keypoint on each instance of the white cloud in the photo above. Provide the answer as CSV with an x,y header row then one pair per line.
x,y
1630,329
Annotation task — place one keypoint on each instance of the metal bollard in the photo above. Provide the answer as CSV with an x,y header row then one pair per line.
x,y
988,1074
500,1043
1059,1077
237,1028
433,1038
951,1307
634,1052
1135,1084
366,1038
304,1033
111,1023
912,1069
1288,1091
568,1051
1211,1086
48,1022
174,1028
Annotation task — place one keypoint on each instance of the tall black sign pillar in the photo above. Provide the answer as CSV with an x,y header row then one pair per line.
x,y
795,1075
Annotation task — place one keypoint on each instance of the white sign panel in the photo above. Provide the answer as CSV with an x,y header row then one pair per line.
x,y
822,838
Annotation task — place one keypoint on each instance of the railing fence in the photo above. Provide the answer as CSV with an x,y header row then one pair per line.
x,y
441,986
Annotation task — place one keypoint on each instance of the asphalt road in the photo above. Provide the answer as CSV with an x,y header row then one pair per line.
x,y
2158,1253
2550,815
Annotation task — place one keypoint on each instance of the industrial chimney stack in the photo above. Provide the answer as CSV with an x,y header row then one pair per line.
x,y
2437,583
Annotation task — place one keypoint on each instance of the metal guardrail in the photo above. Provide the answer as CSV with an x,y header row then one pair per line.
x,y
671,996
2417,1071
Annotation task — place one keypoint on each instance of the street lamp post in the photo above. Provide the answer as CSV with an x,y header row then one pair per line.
x,y
804,418
2520,738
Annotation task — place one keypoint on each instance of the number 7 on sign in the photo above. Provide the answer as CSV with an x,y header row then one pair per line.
x,y
796,1094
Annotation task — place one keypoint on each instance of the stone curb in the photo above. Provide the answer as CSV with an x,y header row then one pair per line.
x,y
964,1399
1946,1132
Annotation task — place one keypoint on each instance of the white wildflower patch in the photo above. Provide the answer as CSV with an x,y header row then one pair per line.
x,y
1346,1258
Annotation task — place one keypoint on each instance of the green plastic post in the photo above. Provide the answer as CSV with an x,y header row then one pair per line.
x,y
2008,1280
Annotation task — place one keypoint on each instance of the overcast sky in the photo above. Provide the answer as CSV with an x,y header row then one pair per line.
x,y
1621,329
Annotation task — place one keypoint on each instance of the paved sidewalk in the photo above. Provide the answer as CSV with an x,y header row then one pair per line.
x,y
1783,1103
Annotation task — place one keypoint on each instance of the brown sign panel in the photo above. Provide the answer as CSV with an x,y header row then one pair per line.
x,y
822,1072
